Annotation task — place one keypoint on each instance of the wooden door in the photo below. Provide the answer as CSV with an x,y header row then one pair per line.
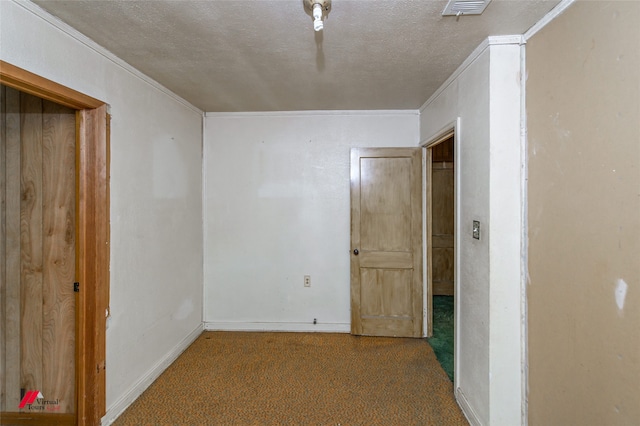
x,y
386,242
442,217
38,304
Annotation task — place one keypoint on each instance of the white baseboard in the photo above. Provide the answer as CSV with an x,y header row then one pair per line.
x,y
278,326
145,381
468,412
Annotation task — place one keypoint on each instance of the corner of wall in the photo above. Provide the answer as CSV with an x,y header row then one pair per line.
x,y
553,14
506,232
129,396
466,408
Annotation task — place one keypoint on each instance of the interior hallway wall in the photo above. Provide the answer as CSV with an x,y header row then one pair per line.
x,y
156,199
485,94
277,208
583,110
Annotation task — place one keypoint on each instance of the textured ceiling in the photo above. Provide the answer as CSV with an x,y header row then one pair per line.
x,y
257,55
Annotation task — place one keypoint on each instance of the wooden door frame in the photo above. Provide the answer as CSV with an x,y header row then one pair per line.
x,y
92,234
451,129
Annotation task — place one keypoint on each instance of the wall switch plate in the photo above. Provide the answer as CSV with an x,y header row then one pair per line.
x,y
476,229
307,280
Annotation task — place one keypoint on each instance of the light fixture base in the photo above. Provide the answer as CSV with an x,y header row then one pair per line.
x,y
308,6
325,6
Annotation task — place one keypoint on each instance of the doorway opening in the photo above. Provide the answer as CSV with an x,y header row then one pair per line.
x,y
37,242
73,161
440,237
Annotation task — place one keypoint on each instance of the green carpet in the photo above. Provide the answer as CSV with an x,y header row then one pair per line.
x,y
442,340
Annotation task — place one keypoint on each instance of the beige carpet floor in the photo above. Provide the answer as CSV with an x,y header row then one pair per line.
x,y
237,378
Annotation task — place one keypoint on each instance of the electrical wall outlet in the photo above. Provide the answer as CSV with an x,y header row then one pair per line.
x,y
307,280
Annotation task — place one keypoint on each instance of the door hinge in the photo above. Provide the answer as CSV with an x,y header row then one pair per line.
x,y
76,287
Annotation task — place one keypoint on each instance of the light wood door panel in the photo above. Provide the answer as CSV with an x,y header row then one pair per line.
x,y
38,153
386,240
385,292
385,210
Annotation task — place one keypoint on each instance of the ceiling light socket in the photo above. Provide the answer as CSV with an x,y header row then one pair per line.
x,y
318,10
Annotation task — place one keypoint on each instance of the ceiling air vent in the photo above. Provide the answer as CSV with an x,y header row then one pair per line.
x,y
465,7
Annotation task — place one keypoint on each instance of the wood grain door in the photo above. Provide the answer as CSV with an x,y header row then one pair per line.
x,y
37,243
386,242
442,218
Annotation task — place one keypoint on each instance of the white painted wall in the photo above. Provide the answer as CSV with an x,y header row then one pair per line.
x,y
485,94
277,208
156,204
467,97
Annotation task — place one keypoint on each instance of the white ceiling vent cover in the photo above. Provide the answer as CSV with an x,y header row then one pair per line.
x,y
465,7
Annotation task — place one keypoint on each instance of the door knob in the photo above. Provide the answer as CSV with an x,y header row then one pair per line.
x,y
356,252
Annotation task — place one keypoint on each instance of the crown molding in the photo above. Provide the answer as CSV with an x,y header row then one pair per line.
x,y
87,42
314,113
486,43
553,14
